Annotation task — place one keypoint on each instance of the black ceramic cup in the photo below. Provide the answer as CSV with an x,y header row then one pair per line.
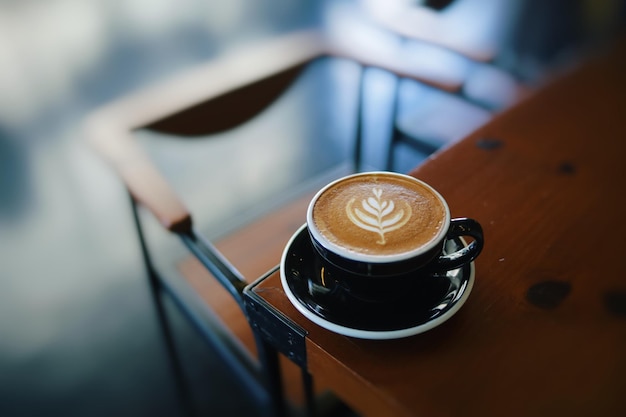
x,y
379,236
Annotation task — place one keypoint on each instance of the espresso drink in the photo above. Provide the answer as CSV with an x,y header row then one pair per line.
x,y
380,214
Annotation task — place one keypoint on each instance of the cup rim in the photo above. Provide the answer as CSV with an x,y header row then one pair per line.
x,y
369,258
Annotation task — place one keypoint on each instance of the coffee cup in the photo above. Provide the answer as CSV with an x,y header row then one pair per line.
x,y
379,235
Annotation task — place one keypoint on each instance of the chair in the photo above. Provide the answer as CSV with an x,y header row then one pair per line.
x,y
236,98
463,37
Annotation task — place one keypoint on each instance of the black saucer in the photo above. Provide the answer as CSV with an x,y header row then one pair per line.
x,y
437,300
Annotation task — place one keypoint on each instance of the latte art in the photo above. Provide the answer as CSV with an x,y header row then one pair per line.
x,y
382,215
378,215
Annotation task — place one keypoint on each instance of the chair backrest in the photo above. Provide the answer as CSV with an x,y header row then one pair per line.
x,y
474,28
111,129
229,110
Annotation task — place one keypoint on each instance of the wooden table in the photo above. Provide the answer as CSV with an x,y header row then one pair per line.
x,y
544,331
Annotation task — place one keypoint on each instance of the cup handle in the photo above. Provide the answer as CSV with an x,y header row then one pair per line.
x,y
462,227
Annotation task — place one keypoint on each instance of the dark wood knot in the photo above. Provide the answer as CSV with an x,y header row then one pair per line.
x,y
489,144
548,294
567,168
615,302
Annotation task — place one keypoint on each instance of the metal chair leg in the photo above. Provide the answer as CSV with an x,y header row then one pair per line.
x,y
393,139
182,388
268,356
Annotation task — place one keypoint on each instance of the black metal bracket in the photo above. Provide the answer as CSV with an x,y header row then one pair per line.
x,y
274,327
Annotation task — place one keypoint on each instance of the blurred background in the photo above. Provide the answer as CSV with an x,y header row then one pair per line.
x,y
78,332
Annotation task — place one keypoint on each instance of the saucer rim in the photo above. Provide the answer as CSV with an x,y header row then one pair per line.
x,y
370,334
